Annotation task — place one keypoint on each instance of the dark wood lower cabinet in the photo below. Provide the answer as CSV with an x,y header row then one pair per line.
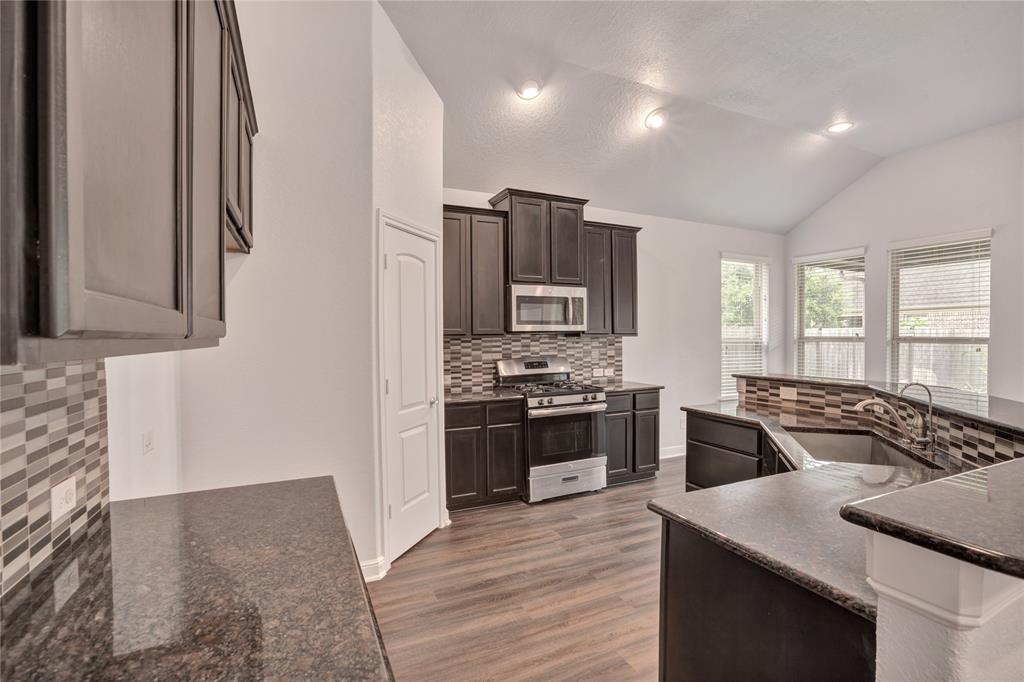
x,y
726,618
484,453
632,444
719,452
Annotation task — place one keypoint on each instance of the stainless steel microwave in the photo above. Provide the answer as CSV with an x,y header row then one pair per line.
x,y
543,308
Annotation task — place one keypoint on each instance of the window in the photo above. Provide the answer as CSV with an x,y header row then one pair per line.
x,y
830,316
744,319
939,313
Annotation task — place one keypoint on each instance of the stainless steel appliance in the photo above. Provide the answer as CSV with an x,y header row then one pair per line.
x,y
564,427
543,308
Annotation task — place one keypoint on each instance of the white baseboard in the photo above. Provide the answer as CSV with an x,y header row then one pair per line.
x,y
374,569
673,451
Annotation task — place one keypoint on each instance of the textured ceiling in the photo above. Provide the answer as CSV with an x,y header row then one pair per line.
x,y
749,87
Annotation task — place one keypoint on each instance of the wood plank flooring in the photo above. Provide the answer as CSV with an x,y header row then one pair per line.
x,y
563,590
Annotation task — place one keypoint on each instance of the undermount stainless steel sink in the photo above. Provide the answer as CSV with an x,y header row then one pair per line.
x,y
855,448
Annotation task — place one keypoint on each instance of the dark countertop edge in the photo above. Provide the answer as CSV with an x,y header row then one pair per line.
x,y
960,412
936,542
840,598
633,387
490,395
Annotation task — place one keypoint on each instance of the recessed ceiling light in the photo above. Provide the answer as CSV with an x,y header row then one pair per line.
x,y
528,90
839,127
655,119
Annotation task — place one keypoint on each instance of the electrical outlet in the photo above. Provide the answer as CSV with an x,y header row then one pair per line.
x,y
598,372
609,371
787,392
63,498
147,444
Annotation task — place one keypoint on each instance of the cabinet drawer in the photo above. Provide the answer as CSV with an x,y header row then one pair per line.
x,y
505,413
708,466
733,436
646,401
623,402
461,416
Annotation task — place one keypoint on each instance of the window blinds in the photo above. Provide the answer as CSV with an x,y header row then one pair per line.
x,y
744,320
830,317
939,314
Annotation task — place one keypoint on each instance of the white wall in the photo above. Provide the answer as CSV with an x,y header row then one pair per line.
x,y
961,184
679,281
348,123
143,396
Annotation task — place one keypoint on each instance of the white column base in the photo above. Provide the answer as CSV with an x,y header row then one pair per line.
x,y
940,618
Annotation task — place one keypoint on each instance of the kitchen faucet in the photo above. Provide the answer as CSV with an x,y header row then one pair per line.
x,y
927,430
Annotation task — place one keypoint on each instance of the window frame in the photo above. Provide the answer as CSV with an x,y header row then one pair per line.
x,y
763,302
799,338
893,337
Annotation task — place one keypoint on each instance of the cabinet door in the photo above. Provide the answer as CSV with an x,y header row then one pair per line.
x,y
208,67
238,149
598,251
114,170
504,460
566,243
465,466
646,456
619,446
456,273
488,275
530,240
624,282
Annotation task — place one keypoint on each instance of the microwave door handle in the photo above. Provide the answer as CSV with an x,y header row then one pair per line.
x,y
537,413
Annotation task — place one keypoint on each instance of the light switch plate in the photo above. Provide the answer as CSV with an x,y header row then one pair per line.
x,y
787,392
598,372
63,498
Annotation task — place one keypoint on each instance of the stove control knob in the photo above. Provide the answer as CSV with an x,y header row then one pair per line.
x,y
593,396
586,398
550,400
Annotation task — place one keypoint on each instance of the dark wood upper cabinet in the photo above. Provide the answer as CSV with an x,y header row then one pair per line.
x,y
597,250
624,300
545,237
115,251
209,39
611,269
239,126
487,274
566,243
474,271
456,273
530,240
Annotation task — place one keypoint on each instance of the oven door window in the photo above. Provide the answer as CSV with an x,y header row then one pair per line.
x,y
561,439
547,310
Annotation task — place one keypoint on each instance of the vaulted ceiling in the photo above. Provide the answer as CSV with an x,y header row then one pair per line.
x,y
748,87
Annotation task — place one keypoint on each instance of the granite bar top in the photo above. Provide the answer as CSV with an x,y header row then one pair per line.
x,y
789,524
253,582
986,408
977,516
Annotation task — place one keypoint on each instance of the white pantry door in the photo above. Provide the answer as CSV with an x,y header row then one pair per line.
x,y
410,370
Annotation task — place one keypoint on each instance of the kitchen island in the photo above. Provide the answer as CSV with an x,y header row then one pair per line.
x,y
253,582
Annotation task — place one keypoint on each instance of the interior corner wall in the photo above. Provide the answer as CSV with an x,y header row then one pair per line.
x,y
679,281
287,393
964,183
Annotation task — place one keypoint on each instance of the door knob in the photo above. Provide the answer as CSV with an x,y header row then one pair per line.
x,y
433,401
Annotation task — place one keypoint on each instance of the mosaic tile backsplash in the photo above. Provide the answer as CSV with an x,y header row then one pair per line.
x,y
972,441
469,360
53,424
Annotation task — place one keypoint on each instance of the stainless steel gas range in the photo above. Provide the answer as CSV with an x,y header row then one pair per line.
x,y
564,427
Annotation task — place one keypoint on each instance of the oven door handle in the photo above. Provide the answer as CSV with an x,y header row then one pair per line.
x,y
538,412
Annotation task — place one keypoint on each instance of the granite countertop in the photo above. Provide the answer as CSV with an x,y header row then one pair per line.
x,y
991,409
977,516
628,386
492,393
789,524
252,582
